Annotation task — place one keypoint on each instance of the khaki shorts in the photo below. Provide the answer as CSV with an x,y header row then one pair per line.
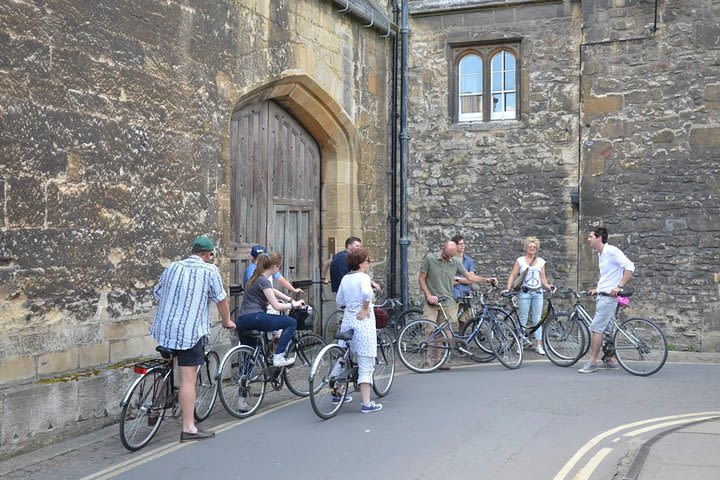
x,y
432,312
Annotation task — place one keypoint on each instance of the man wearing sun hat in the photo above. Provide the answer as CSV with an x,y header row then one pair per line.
x,y
182,321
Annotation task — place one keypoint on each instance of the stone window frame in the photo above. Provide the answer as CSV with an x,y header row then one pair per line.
x,y
486,51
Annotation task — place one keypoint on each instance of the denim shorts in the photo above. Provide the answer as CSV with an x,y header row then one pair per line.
x,y
604,313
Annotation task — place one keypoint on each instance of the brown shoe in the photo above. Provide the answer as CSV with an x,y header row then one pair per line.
x,y
200,435
444,366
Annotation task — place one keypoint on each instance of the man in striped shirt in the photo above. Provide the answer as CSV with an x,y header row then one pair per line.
x,y
182,321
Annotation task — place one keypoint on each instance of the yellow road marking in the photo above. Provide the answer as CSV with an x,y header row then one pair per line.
x,y
122,467
662,425
587,470
562,474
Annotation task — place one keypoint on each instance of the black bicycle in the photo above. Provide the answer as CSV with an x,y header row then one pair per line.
x,y
334,372
509,313
424,346
151,395
246,371
392,308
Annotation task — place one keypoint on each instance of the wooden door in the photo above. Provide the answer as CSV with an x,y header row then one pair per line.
x,y
275,168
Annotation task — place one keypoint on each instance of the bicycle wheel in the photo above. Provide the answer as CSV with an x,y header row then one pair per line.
x,y
640,346
564,339
332,325
479,347
305,351
144,410
206,387
405,317
505,344
329,381
242,381
384,372
587,336
422,348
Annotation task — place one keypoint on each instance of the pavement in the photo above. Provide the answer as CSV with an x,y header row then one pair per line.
x,y
683,451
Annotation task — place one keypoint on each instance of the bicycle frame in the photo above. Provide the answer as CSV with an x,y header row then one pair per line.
x,y
514,314
484,314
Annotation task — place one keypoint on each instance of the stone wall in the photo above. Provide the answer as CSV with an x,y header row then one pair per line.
x,y
114,154
500,181
626,113
650,150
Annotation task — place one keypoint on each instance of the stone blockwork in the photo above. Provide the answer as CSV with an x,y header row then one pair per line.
x,y
650,166
500,181
114,154
625,109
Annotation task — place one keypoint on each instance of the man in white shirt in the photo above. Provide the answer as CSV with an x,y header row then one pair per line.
x,y
615,271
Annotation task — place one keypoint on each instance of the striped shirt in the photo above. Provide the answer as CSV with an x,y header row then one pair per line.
x,y
184,291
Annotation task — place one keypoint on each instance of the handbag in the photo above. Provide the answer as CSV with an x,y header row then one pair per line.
x,y
520,279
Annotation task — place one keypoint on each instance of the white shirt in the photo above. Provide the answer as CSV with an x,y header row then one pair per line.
x,y
613,263
532,279
356,288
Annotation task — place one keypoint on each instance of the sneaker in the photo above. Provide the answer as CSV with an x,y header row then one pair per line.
x,y
279,360
610,366
337,399
589,367
242,405
373,407
540,350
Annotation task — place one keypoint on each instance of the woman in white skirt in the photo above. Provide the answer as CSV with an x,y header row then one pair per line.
x,y
356,294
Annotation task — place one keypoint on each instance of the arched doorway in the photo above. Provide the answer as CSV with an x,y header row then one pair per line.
x,y
315,112
275,195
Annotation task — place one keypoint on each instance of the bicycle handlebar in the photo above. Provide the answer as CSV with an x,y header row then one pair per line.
x,y
588,293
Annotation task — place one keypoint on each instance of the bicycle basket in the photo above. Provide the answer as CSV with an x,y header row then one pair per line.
x,y
381,318
304,316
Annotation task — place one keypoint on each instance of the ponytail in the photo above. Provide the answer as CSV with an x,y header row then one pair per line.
x,y
264,263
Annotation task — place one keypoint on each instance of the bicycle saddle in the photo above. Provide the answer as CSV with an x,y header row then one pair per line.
x,y
347,335
165,350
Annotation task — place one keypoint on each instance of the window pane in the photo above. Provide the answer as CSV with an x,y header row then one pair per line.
x,y
471,104
510,102
496,81
470,83
471,64
509,80
496,63
509,61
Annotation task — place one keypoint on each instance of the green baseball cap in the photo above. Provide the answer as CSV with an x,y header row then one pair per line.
x,y
204,243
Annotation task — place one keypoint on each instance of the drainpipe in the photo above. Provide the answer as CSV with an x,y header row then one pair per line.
x,y
392,290
404,136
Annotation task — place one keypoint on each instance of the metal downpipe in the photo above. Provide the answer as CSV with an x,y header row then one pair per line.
x,y
404,136
392,281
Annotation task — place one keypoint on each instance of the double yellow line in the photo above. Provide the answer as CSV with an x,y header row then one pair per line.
x,y
586,471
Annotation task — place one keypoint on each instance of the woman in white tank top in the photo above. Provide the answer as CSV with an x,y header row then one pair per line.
x,y
531,294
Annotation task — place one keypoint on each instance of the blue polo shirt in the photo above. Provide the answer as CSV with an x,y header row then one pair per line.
x,y
461,290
